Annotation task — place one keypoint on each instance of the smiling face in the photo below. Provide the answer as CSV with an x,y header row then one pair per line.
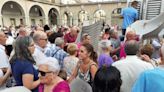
x,y
83,53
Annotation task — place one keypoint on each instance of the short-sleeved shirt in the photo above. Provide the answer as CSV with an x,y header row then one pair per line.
x,y
57,53
20,67
70,63
150,81
129,14
104,60
4,62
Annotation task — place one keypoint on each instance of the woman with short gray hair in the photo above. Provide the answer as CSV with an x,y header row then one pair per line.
x,y
104,58
50,81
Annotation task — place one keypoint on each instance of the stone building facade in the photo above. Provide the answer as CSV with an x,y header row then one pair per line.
x,y
52,12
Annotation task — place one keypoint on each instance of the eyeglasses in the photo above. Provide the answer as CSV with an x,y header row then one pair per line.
x,y
42,73
44,39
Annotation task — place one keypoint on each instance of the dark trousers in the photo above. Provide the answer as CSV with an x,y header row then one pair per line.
x,y
123,32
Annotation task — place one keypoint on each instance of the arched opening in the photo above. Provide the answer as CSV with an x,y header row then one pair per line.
x,y
68,19
115,17
12,14
82,16
53,16
99,15
37,15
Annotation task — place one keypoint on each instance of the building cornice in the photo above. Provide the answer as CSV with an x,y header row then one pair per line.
x,y
92,3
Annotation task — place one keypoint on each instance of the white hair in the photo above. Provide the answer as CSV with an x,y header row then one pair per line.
x,y
53,64
59,41
105,44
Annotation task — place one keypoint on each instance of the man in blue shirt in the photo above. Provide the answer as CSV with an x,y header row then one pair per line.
x,y
151,80
129,15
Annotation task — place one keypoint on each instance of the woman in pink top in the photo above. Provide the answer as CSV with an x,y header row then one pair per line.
x,y
50,81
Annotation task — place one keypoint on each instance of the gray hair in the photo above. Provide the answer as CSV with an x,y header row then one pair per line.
x,y
59,41
21,49
104,44
53,64
37,35
131,47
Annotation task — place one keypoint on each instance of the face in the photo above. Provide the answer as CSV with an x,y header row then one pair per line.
x,y
83,53
46,76
3,39
42,42
87,40
31,47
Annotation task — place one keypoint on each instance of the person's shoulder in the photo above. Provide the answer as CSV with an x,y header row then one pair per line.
x,y
63,85
119,62
152,73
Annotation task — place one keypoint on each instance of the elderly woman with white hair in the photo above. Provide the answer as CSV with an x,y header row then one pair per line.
x,y
50,81
151,80
104,58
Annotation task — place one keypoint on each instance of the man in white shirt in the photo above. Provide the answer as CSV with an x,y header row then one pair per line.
x,y
131,67
41,41
4,63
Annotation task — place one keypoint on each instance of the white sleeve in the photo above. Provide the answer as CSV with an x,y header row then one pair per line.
x,y
1,73
4,60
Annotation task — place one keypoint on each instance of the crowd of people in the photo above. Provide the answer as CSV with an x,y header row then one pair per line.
x,y
42,59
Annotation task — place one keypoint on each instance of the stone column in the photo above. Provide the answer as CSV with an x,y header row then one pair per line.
x,y
1,20
27,20
46,20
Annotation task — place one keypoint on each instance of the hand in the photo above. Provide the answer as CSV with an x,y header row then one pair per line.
x,y
145,58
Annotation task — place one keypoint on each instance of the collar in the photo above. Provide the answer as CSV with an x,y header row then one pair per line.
x,y
131,56
39,48
2,47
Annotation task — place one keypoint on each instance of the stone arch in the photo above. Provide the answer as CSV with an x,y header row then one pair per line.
x,y
99,15
68,18
53,16
37,15
115,17
12,13
82,16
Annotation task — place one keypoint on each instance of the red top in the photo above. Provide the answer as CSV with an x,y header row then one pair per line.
x,y
68,38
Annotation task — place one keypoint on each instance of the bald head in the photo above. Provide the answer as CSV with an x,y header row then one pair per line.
x,y
74,31
130,35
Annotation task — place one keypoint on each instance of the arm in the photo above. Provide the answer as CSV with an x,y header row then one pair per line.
x,y
28,81
5,77
115,50
93,70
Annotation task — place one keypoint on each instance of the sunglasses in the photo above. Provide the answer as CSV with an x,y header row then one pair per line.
x,y
43,73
